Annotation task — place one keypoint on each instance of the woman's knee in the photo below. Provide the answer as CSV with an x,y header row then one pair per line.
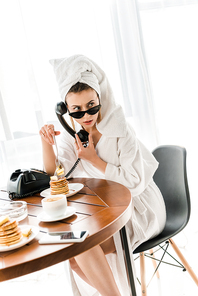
x,y
74,266
108,246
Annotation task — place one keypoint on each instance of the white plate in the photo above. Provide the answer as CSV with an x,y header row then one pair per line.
x,y
73,189
24,241
43,217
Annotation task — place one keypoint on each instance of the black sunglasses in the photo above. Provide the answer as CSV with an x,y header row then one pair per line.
x,y
90,111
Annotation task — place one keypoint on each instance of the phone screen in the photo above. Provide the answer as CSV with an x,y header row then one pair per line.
x,y
72,235
64,237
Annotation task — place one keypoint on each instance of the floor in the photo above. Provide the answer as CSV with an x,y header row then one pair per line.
x,y
45,282
173,281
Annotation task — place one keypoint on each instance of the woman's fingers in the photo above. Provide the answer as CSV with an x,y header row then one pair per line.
x,y
78,142
87,153
50,133
91,142
57,133
47,133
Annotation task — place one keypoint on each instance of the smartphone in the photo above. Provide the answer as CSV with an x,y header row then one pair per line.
x,y
64,237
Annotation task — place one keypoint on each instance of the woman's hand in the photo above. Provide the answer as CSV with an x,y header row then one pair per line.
x,y
47,132
89,154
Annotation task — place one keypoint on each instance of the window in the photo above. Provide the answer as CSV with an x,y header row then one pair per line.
x,y
32,33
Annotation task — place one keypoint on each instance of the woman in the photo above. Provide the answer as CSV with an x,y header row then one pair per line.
x,y
113,153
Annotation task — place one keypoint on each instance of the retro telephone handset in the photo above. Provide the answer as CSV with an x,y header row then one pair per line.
x,y
60,110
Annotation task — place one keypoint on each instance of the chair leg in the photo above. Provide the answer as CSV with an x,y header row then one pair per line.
x,y
142,274
154,262
184,262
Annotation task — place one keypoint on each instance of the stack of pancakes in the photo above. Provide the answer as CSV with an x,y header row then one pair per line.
x,y
59,186
10,233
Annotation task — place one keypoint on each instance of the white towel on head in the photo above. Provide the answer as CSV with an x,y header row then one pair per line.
x,y
75,69
78,68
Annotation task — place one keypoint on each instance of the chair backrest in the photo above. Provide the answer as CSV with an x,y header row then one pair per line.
x,y
171,178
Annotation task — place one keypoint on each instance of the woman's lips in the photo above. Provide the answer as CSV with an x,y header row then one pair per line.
x,y
88,122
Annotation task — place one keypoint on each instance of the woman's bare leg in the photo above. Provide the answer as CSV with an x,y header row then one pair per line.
x,y
107,247
96,271
74,266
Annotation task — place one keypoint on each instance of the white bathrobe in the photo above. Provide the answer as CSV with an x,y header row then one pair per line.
x,y
128,163
131,164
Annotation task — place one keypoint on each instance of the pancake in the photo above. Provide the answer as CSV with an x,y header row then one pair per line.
x,y
8,225
6,232
4,219
10,233
59,186
11,237
17,240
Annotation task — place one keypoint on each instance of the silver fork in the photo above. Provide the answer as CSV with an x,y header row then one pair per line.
x,y
58,165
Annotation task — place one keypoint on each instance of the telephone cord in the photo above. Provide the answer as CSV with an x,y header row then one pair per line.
x,y
73,168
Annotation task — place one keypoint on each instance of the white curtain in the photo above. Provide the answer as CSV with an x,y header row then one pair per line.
x,y
133,70
170,36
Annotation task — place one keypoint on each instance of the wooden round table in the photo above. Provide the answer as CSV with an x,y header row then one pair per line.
x,y
102,207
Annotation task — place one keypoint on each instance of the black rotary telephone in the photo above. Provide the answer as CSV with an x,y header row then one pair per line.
x,y
24,183
60,110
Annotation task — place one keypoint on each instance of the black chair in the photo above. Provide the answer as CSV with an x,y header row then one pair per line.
x,y
171,178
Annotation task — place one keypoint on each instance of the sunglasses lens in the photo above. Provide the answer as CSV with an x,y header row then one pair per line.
x,y
77,115
80,114
93,110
